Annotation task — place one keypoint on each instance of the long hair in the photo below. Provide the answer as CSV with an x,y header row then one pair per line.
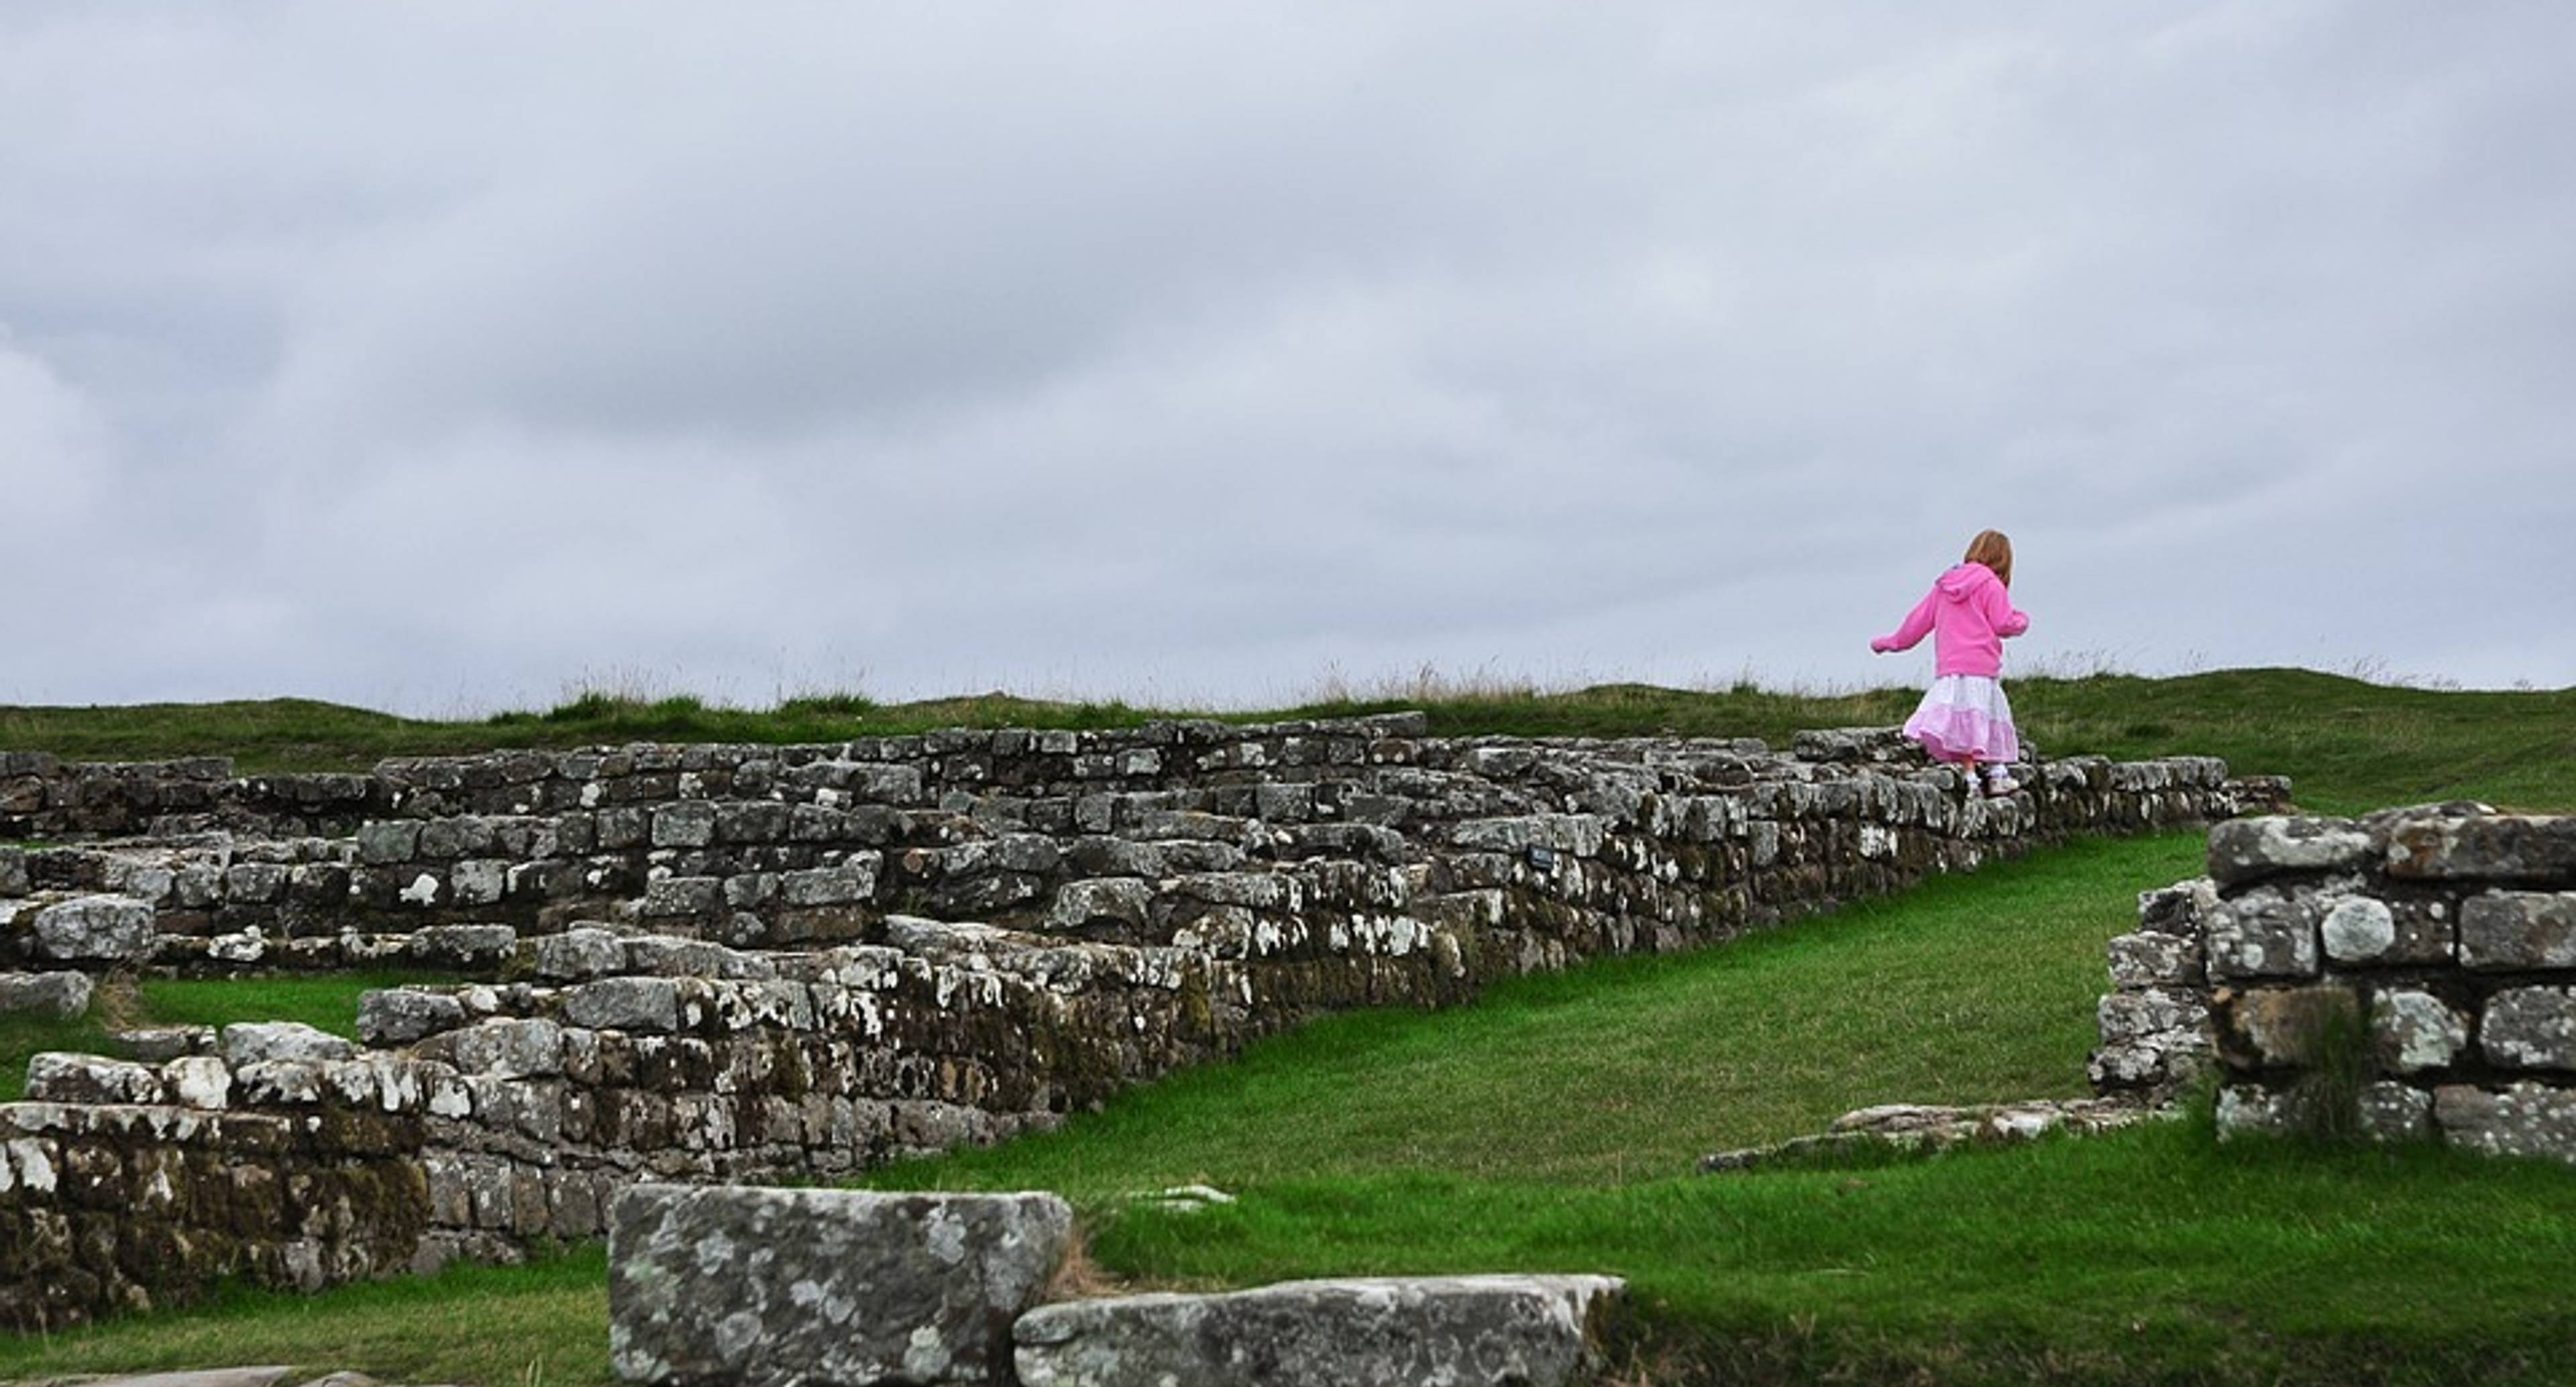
x,y
1992,549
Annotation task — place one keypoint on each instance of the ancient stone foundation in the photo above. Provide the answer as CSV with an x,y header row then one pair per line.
x,y
715,963
2406,976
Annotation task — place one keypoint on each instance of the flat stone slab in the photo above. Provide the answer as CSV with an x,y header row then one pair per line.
x,y
205,1377
1452,1331
824,1288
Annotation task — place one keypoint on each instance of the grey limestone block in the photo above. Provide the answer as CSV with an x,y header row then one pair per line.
x,y
582,952
96,929
2265,933
686,824
2244,850
1539,1331
251,1042
2518,929
402,1015
471,946
2155,960
756,1286
2488,847
60,995
2524,1119
71,1078
2416,1030
624,1004
2530,1028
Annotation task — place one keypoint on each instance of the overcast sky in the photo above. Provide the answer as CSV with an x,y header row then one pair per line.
x,y
444,357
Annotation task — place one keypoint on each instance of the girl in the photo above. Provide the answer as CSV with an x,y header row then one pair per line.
x,y
1964,718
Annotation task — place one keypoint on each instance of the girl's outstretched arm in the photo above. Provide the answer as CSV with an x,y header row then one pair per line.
x,y
1917,625
2001,614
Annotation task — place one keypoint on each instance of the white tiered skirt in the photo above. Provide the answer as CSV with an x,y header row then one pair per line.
x,y
1966,717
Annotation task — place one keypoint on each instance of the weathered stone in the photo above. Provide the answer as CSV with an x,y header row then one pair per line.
x,y
667,897
774,1286
155,1044
2524,1119
507,1048
2358,929
69,1078
402,1015
2288,1026
197,1081
1121,900
2243,850
2155,960
624,1004
388,843
2487,847
107,929
2396,1112
687,824
464,946
2530,1028
59,995
250,1042
2506,930
1537,1330
2265,933
580,953
2251,1110
2180,909
2417,1030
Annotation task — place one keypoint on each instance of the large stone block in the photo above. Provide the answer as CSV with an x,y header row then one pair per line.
x,y
2287,1027
2530,1028
2243,850
2525,1119
2265,933
1534,1330
399,1016
2155,960
251,1042
2487,847
841,1287
105,929
72,1078
59,995
2416,1030
2505,930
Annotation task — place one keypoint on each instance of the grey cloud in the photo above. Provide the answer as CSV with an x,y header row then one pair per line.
x,y
437,357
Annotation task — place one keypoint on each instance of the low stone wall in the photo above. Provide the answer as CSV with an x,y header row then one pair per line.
x,y
747,993
2410,975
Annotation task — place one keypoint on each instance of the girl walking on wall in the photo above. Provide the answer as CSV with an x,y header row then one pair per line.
x,y
1964,719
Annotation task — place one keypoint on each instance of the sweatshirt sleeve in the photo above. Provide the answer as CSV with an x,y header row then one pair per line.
x,y
2001,614
1917,624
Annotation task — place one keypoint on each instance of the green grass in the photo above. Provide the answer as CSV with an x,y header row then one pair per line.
x,y
328,1001
535,1325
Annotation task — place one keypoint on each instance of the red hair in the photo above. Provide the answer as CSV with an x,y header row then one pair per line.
x,y
1992,549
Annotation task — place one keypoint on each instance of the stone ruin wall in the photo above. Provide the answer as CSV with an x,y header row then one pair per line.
x,y
716,963
2410,975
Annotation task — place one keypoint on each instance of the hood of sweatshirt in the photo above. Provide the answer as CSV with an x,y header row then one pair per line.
x,y
1965,581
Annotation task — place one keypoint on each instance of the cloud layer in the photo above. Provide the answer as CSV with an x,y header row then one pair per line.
x,y
432,357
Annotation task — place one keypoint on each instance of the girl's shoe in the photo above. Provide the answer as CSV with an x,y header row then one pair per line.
x,y
2000,782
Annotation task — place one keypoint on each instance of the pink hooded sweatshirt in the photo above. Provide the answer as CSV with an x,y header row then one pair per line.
x,y
1968,614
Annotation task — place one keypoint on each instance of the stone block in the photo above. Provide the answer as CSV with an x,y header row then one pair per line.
x,y
2245,850
1536,1330
2286,1026
775,1286
2484,847
2510,930
464,946
686,824
2179,909
649,1005
508,1048
2358,929
2265,933
2524,1119
2530,1028
251,1042
71,1078
580,953
102,929
58,995
2417,1031
2155,960
1124,900
2396,1112
388,843
197,1081
402,1015
672,897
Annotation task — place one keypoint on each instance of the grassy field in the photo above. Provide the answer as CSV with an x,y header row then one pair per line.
x,y
1552,1125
